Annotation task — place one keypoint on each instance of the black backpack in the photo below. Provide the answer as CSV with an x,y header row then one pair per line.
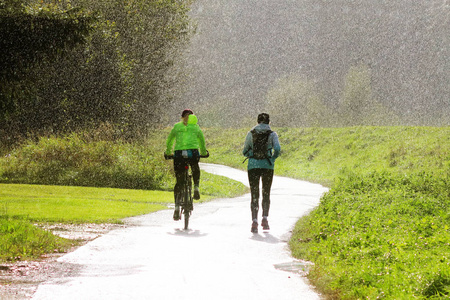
x,y
260,143
259,147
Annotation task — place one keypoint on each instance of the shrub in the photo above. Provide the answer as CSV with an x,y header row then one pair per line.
x,y
78,160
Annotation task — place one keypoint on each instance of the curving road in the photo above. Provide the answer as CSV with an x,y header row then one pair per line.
x,y
217,259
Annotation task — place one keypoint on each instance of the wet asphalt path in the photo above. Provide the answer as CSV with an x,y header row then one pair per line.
x,y
218,258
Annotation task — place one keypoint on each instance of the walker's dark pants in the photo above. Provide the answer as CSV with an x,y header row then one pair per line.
x,y
179,164
254,176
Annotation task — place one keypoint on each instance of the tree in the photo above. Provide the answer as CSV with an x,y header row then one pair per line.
x,y
294,101
151,34
64,69
29,36
358,106
357,96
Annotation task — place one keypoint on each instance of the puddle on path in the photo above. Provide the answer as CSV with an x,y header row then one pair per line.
x,y
297,267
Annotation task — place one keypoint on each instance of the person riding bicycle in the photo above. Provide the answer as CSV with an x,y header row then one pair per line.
x,y
261,147
188,138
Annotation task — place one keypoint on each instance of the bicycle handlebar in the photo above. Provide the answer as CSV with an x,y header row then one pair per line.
x,y
166,157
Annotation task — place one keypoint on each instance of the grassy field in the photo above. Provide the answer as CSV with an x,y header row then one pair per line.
x,y
22,205
71,204
381,232
47,203
380,235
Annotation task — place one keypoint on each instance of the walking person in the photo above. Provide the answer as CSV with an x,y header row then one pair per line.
x,y
261,147
188,139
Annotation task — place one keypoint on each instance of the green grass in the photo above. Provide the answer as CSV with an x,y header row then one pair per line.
x,y
22,205
20,240
323,154
45,203
380,235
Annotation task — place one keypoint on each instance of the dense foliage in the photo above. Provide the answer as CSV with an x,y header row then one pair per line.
x,y
74,65
29,37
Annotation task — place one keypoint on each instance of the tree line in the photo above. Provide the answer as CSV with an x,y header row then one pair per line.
x,y
295,100
74,64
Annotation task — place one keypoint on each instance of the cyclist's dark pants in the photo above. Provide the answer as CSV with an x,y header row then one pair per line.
x,y
254,176
179,164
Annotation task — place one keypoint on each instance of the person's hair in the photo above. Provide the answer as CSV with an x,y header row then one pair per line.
x,y
186,112
263,118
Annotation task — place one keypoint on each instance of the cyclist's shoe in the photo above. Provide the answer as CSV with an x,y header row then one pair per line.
x,y
254,227
176,214
196,193
265,224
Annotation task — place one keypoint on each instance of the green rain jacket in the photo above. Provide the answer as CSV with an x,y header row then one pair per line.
x,y
188,136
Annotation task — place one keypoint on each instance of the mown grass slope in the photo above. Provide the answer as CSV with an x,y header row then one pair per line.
x,y
322,154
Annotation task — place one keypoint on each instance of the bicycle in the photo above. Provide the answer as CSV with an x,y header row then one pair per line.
x,y
186,202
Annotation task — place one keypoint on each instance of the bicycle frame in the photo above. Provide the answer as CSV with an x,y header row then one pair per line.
x,y
186,205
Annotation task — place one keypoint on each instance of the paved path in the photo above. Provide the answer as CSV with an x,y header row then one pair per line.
x,y
217,259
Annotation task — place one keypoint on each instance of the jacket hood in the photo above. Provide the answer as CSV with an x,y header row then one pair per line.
x,y
262,127
192,120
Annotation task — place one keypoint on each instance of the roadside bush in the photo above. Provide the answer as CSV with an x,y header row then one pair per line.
x,y
79,160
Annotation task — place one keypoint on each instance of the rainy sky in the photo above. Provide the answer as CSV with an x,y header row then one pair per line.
x,y
243,46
